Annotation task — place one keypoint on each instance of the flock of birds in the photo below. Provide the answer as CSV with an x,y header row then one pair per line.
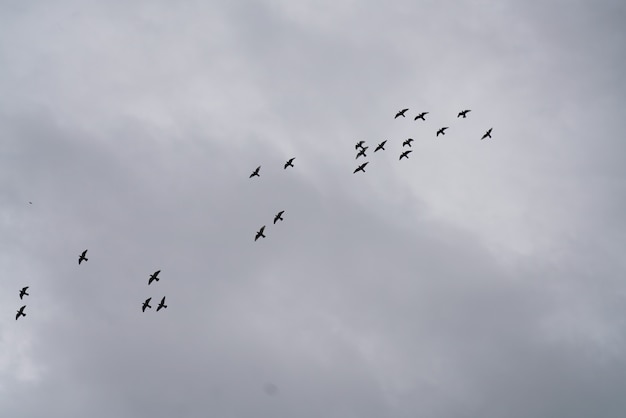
x,y
360,146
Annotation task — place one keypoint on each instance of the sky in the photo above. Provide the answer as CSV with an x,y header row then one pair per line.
x,y
475,278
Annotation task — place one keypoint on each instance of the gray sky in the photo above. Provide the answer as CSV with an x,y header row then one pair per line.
x,y
476,278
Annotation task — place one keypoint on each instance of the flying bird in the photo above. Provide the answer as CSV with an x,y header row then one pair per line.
x,y
407,142
23,292
20,312
153,277
405,154
82,257
362,152
463,113
289,162
161,304
260,233
442,131
359,144
145,305
487,134
401,113
361,167
421,116
279,216
255,172
381,146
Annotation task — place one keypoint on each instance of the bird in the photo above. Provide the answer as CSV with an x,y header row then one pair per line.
x,y
260,233
359,144
401,113
407,142
30,203
421,116
463,113
381,146
20,312
361,167
289,162
161,304
153,277
145,305
23,292
279,216
362,152
487,134
405,154
442,131
255,172
82,257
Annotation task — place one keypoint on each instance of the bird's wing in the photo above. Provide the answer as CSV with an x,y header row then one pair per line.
x,y
163,301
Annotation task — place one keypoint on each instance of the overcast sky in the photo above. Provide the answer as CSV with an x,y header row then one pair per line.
x,y
477,278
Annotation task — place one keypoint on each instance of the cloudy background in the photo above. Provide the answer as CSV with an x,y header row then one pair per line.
x,y
476,278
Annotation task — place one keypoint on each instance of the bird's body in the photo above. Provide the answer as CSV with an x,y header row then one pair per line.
x,y
82,257
407,142
487,134
153,277
289,162
279,216
381,146
463,113
145,305
361,167
405,154
362,152
260,233
20,312
23,292
255,172
442,131
401,113
421,116
161,304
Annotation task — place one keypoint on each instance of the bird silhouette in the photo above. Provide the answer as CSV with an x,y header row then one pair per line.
x,y
289,162
401,113
361,167
161,304
82,257
407,142
23,292
362,152
279,216
145,305
20,312
256,172
359,144
463,113
260,233
405,154
381,146
153,277
442,131
487,134
421,116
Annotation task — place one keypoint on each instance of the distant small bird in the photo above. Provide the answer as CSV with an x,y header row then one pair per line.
x,y
23,292
359,144
279,216
463,113
260,233
362,152
82,257
20,312
381,146
255,172
153,277
30,203
442,131
487,134
289,162
405,154
421,116
145,305
407,142
161,304
401,113
361,167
